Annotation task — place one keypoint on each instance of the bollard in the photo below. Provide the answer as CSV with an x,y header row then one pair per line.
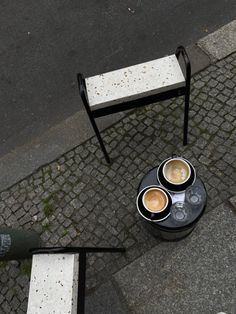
x,y
15,244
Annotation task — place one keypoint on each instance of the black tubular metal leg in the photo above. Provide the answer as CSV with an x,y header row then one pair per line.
x,y
81,284
186,111
181,50
94,125
84,96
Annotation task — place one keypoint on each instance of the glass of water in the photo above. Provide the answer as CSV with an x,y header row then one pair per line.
x,y
180,212
194,195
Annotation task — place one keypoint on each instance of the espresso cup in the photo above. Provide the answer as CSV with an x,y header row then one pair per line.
x,y
176,171
155,200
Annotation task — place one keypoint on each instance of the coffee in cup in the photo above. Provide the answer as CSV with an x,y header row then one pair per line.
x,y
176,171
155,200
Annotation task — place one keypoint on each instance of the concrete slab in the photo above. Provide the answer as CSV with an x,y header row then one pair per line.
x,y
221,43
105,300
195,275
54,284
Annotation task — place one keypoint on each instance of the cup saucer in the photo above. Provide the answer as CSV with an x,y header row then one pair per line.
x,y
173,187
153,216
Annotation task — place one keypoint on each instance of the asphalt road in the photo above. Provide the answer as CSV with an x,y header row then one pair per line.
x,y
43,44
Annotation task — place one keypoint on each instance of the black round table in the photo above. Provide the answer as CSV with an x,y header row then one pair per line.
x,y
174,227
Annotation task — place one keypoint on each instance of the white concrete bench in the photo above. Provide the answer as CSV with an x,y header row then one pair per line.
x,y
58,274
54,284
134,82
136,86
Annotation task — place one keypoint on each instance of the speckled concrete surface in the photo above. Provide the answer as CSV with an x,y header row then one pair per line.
x,y
142,79
221,43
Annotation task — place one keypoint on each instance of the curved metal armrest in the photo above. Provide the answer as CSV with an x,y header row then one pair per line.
x,y
181,50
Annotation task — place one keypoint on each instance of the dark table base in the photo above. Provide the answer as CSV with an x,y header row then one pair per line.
x,y
170,235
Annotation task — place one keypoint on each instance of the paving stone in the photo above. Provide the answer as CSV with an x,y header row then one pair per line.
x,y
66,223
6,307
68,211
10,201
229,158
15,271
76,203
15,303
217,121
45,236
23,281
61,231
24,220
6,213
33,210
72,232
54,239
226,126
129,242
27,205
4,290
9,295
20,213
2,206
4,195
65,240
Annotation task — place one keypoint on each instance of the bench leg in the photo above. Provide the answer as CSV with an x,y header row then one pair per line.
x,y
83,93
94,125
186,110
81,287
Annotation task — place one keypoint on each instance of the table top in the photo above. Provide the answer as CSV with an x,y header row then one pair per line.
x,y
185,198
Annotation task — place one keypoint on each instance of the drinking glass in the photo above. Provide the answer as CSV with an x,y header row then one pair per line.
x,y
180,212
194,195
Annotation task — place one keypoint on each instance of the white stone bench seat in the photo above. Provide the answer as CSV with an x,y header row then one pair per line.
x,y
134,82
54,284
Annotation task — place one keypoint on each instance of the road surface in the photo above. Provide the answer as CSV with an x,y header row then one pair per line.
x,y
43,44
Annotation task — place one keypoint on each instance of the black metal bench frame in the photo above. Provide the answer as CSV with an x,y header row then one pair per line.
x,y
82,251
181,91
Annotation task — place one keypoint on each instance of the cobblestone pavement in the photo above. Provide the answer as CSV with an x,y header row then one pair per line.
x,y
80,200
